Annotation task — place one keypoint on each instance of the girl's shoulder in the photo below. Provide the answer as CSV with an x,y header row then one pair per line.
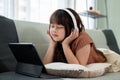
x,y
83,38
84,34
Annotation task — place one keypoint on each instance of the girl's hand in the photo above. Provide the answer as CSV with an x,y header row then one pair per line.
x,y
51,40
71,37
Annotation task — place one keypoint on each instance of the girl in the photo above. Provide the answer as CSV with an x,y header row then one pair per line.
x,y
69,42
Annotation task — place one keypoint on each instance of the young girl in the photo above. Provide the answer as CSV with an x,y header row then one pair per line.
x,y
69,43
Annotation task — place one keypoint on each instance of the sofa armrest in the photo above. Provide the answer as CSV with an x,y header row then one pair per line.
x,y
111,40
7,34
104,39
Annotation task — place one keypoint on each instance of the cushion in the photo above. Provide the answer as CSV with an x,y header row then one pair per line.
x,y
98,38
8,34
76,70
111,40
112,58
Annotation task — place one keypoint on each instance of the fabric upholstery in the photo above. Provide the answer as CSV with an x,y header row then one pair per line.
x,y
98,38
111,40
113,58
76,70
34,33
7,34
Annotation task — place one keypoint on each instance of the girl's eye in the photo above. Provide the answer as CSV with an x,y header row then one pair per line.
x,y
59,27
52,26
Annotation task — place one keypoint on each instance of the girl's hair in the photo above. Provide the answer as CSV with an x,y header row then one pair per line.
x,y
60,16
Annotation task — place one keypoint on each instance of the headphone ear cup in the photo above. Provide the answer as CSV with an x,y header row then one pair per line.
x,y
73,18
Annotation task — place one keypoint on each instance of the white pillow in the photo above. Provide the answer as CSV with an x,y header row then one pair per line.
x,y
112,58
76,70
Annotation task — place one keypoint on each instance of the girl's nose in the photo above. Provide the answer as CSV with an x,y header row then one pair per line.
x,y
55,29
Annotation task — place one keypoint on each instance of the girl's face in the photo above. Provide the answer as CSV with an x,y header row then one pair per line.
x,y
57,32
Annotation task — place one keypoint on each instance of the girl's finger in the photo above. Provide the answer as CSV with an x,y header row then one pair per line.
x,y
48,32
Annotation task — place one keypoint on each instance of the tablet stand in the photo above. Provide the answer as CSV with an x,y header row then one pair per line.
x,y
29,69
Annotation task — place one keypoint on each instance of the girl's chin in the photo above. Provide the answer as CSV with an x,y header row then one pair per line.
x,y
57,40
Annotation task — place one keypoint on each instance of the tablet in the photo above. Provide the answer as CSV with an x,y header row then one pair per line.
x,y
29,62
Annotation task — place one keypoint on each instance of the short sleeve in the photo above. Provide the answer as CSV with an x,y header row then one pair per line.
x,y
81,41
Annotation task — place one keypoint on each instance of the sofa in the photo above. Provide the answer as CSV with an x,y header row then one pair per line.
x,y
33,32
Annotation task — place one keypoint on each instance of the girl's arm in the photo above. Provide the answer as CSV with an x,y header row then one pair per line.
x,y
48,58
71,58
82,54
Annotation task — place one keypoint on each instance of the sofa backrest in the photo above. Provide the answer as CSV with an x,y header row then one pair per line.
x,y
111,40
104,39
98,38
36,33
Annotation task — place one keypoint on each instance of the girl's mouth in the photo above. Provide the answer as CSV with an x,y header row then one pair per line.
x,y
54,35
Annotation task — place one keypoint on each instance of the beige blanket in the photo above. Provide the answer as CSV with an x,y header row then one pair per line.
x,y
112,58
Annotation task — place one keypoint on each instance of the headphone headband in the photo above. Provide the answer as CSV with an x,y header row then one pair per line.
x,y
73,18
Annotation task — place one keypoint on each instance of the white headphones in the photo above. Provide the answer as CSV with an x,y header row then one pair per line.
x,y
73,18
